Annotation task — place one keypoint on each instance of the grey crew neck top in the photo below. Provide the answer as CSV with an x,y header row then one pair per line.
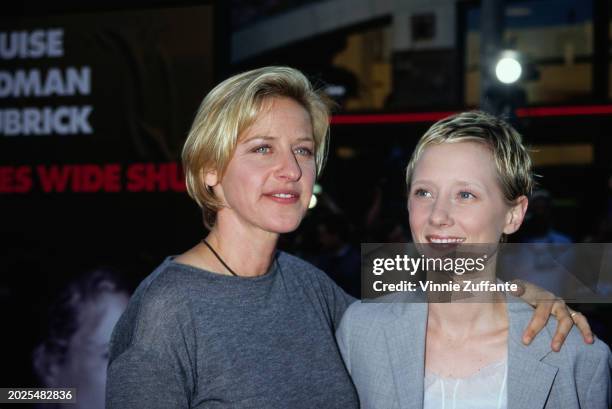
x,y
190,338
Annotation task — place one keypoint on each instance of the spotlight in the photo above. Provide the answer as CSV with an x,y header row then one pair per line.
x,y
508,68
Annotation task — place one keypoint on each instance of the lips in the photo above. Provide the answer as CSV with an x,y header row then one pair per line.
x,y
435,239
440,245
283,196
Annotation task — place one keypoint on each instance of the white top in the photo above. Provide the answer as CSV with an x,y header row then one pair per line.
x,y
486,389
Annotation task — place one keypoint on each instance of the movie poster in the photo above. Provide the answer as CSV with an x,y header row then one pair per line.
x,y
93,112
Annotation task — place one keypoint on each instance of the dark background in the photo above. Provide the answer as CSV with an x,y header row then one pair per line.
x,y
153,62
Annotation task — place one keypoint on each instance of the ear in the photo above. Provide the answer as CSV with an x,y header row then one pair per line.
x,y
516,215
213,184
210,178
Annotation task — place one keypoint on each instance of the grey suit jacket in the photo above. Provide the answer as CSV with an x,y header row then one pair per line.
x,y
383,345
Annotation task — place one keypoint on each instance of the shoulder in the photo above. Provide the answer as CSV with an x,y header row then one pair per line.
x,y
152,348
371,315
367,326
361,318
587,365
297,265
586,358
301,270
364,311
160,304
574,352
316,284
166,289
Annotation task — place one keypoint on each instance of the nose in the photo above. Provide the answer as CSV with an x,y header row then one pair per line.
x,y
440,215
289,168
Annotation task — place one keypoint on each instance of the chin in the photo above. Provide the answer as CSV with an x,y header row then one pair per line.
x,y
284,222
283,226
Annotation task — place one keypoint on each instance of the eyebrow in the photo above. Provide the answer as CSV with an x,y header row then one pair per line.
x,y
476,184
460,182
268,138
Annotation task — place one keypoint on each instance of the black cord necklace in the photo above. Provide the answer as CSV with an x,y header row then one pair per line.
x,y
219,258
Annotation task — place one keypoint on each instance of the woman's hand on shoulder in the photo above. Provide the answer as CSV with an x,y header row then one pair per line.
x,y
547,304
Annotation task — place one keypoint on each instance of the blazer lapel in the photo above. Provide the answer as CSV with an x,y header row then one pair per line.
x,y
405,336
529,379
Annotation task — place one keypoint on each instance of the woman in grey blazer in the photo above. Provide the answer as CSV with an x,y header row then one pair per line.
x,y
468,179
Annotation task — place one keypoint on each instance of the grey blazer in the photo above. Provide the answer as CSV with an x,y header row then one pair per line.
x,y
383,345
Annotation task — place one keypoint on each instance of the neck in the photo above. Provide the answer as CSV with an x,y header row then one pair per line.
x,y
464,320
246,250
467,315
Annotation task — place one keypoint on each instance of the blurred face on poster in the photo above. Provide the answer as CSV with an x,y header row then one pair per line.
x,y
87,358
83,366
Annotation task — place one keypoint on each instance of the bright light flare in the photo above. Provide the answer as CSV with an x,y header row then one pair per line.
x,y
508,70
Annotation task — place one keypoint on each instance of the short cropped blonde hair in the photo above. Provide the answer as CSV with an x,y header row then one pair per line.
x,y
229,109
511,157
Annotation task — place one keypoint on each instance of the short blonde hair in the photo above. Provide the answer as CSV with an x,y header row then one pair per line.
x,y
229,109
511,157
